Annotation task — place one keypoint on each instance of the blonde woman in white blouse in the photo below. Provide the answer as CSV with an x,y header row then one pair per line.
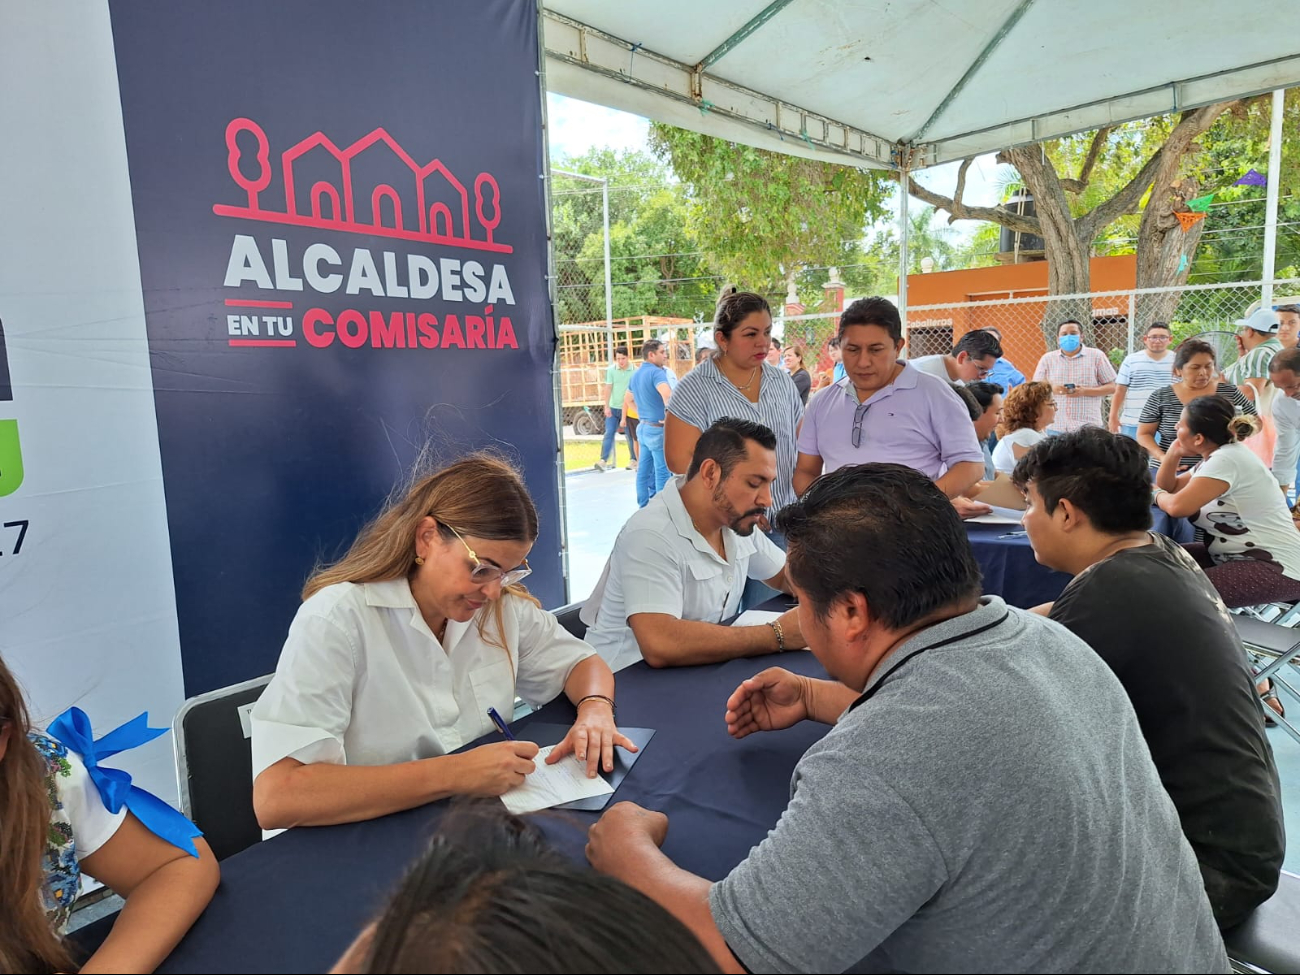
x,y
399,650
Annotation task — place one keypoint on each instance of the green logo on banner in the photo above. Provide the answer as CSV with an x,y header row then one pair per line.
x,y
11,458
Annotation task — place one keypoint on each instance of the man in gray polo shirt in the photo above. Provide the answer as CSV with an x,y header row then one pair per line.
x,y
985,801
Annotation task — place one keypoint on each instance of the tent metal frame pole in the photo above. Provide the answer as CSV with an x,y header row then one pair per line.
x,y
1006,28
1270,212
553,295
738,38
903,228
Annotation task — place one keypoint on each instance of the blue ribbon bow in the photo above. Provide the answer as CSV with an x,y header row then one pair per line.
x,y
72,728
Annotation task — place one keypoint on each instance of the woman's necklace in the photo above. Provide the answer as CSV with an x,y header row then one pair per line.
x,y
752,375
442,631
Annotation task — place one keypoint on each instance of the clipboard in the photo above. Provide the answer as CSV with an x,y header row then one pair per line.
x,y
545,734
1002,493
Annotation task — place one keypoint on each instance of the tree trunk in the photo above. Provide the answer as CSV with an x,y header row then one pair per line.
x,y
1068,270
1164,251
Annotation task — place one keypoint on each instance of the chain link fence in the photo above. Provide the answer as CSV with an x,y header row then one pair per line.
x,y
1113,321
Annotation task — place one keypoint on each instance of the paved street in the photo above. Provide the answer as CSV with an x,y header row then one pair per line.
x,y
598,505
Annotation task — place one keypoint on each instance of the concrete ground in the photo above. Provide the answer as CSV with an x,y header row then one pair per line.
x,y
598,505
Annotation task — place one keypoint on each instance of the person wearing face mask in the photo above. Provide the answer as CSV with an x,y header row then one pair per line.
x,y
1080,376
400,648
681,564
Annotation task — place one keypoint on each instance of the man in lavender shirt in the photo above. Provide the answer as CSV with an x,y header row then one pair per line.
x,y
884,410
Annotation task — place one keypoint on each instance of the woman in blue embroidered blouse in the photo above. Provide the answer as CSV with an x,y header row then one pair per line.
x,y
58,824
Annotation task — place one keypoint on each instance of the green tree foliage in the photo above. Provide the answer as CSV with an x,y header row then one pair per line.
x,y
760,217
655,263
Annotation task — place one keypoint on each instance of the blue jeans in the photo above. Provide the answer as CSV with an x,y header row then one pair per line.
x,y
652,470
1129,430
611,431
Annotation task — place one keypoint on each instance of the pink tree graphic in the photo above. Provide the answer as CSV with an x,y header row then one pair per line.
x,y
489,201
252,185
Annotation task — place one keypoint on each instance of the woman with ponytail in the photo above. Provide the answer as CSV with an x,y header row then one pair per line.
x,y
400,649
55,825
1251,550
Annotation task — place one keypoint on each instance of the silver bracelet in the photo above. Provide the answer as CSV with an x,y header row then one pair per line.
x,y
780,635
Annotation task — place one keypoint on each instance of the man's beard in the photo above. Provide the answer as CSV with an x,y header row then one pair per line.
x,y
734,518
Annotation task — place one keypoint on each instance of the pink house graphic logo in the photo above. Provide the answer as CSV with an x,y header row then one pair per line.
x,y
427,203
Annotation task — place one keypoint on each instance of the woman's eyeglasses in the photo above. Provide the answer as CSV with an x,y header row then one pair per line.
x,y
484,573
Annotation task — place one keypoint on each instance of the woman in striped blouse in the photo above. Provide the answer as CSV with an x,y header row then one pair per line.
x,y
737,382
1194,365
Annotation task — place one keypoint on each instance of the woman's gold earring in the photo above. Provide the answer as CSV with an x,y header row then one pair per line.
x,y
419,560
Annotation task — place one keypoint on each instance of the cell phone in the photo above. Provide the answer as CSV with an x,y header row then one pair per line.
x,y
1070,387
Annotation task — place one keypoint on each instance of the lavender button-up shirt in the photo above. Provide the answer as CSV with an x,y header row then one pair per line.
x,y
917,420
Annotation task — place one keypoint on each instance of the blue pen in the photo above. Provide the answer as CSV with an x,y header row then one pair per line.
x,y
501,725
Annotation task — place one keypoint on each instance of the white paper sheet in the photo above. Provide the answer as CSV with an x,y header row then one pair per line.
x,y
756,617
552,785
1000,516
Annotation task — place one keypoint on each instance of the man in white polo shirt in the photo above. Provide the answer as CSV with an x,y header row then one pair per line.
x,y
680,564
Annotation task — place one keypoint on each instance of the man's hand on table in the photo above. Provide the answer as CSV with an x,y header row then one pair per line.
x,y
768,701
966,508
623,835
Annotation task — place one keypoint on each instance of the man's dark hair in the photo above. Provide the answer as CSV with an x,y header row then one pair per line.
x,y
727,443
620,350
1069,321
651,345
984,391
776,343
1154,325
992,328
883,530
1288,360
702,353
491,895
967,397
979,345
1183,354
834,343
1105,475
872,311
1293,309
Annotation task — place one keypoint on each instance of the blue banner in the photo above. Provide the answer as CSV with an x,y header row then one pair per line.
x,y
342,246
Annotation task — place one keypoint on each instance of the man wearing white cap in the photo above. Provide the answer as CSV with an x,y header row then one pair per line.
x,y
1257,343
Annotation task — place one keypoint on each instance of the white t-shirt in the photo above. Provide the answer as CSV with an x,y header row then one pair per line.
x,y
1142,375
935,365
1004,458
362,680
1250,520
661,564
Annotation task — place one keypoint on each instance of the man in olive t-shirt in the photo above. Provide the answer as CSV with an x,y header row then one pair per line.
x,y
1147,609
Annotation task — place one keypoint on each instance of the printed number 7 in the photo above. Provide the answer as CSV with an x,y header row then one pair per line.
x,y
22,533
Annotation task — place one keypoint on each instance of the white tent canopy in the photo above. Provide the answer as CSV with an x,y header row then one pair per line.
x,y
914,83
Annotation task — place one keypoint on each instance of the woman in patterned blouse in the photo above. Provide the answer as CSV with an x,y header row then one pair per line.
x,y
1194,365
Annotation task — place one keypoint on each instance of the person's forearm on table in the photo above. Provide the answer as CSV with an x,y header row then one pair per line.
x,y
588,678
960,477
644,867
669,642
324,794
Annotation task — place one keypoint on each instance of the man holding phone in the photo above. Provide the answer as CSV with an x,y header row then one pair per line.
x,y
1080,376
